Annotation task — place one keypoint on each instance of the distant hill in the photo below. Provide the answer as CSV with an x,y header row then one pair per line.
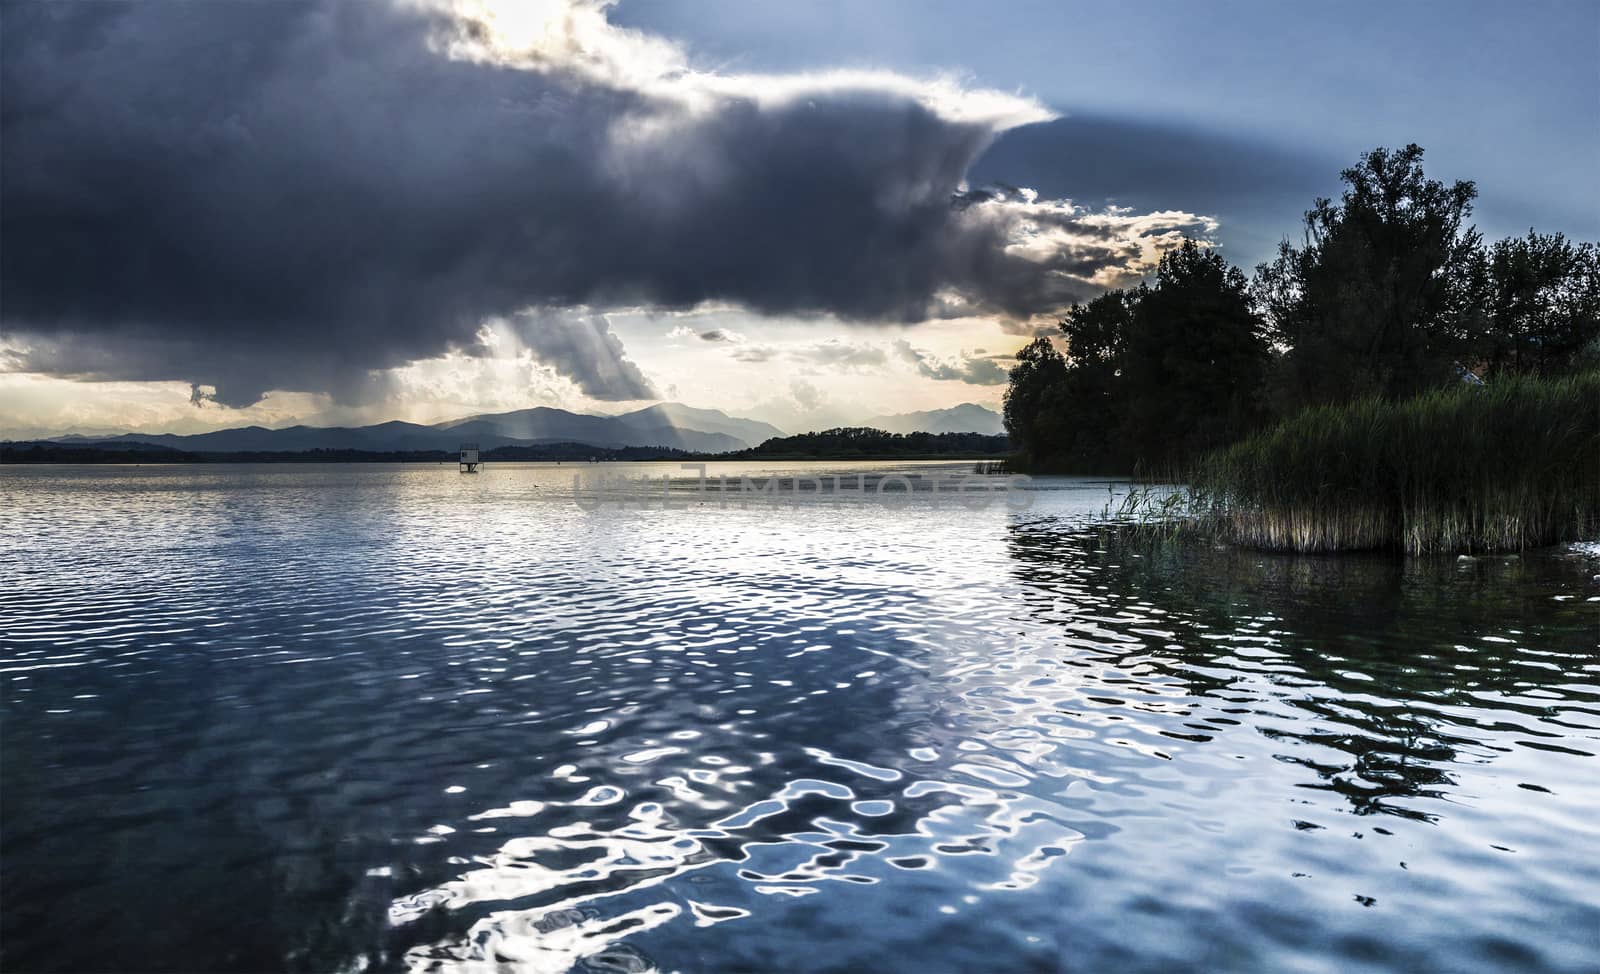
x,y
969,417
383,437
668,426
679,416
88,451
545,432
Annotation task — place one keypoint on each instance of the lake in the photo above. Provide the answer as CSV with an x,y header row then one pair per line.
x,y
392,717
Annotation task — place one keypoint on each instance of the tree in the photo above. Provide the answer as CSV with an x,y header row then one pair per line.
x,y
1193,362
1373,302
1152,376
1096,333
1541,301
1034,417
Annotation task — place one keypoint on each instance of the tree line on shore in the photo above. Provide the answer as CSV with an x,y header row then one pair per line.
x,y
1390,293
859,442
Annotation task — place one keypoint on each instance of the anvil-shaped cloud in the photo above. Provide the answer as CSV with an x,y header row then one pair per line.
x,y
286,195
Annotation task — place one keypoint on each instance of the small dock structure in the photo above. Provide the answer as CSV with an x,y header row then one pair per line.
x,y
469,458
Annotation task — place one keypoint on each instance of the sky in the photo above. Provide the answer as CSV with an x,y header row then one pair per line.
x,y
217,215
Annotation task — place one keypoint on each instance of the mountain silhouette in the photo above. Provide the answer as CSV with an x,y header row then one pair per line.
x,y
969,417
665,425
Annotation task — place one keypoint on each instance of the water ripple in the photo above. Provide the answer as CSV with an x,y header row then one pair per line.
x,y
389,717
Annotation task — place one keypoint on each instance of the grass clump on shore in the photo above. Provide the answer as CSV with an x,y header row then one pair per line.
x,y
1503,467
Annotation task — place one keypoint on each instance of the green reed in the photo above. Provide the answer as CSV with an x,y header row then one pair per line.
x,y
1502,467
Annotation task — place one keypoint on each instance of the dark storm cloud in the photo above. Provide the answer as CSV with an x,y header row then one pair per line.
x,y
291,195
581,346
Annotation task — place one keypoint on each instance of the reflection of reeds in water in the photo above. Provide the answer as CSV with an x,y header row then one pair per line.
x,y
1390,658
1499,468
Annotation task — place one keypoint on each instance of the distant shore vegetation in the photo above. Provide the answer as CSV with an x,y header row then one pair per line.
x,y
862,443
1392,381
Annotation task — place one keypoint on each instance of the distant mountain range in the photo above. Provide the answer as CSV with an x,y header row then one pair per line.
x,y
969,417
666,425
669,425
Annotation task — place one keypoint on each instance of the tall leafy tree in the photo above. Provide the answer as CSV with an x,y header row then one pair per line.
x,y
1373,301
1540,297
1194,360
1034,414
1152,376
1097,336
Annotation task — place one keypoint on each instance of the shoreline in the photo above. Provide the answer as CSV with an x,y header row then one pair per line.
x,y
488,460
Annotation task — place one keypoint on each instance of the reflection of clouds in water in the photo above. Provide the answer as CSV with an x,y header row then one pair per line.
x,y
550,941
643,853
811,832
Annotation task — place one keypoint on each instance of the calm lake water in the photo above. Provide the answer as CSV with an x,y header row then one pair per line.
x,y
392,717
